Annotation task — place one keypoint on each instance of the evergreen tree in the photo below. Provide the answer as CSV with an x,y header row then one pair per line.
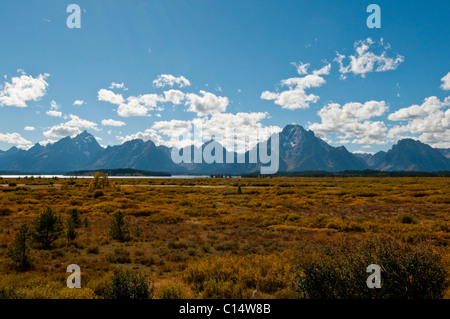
x,y
47,228
71,233
119,229
18,252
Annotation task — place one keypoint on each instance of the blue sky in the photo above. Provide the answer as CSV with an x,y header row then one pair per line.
x,y
225,62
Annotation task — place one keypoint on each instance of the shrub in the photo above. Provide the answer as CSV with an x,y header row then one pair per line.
x,y
128,285
227,245
170,292
47,228
218,289
19,250
5,211
75,216
167,218
93,250
120,256
71,233
176,244
146,261
267,273
100,181
119,229
340,273
406,218
98,194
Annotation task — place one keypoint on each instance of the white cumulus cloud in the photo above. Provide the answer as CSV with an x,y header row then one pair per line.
x,y
147,135
54,110
133,105
112,122
15,138
430,122
139,105
224,127
110,96
70,128
446,82
54,113
302,68
351,122
174,96
365,61
164,80
120,86
206,103
47,142
23,89
62,131
295,97
172,128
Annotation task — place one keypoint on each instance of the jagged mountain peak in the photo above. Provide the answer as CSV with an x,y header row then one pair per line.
x,y
295,130
138,142
409,142
84,136
409,155
300,150
13,149
36,148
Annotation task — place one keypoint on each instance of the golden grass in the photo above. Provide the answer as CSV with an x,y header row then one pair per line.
x,y
199,238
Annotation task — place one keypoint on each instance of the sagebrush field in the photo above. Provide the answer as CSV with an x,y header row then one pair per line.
x,y
226,237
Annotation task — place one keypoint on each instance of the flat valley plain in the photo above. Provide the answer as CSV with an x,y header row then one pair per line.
x,y
280,237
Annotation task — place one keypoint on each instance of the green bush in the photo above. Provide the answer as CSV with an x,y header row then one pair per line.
x,y
19,250
120,256
128,285
170,292
75,216
47,228
219,289
340,272
71,233
119,230
406,218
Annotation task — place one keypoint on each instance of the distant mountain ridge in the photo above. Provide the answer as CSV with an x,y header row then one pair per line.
x,y
408,155
65,155
299,150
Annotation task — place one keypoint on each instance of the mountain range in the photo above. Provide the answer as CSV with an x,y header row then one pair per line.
x,y
299,150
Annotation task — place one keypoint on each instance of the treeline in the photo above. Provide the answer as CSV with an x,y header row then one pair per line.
x,y
355,173
117,172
